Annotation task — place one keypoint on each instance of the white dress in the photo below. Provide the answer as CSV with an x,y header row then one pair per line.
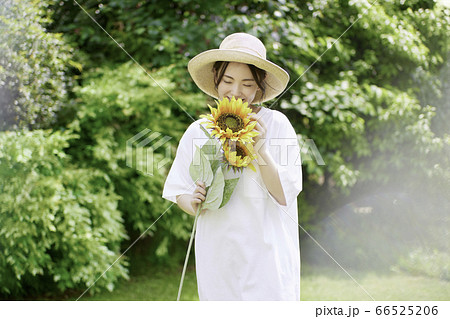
x,y
248,249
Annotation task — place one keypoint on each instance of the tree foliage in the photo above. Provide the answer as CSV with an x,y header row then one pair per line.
x,y
34,79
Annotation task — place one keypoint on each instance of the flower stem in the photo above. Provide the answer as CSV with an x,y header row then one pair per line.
x,y
188,250
206,132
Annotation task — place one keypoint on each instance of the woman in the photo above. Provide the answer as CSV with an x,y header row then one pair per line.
x,y
248,249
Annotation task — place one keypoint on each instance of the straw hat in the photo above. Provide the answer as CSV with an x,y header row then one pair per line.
x,y
238,47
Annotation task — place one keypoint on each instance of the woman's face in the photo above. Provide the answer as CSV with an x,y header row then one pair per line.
x,y
238,81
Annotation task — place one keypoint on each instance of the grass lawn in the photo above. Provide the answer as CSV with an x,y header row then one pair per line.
x,y
319,285
156,284
392,287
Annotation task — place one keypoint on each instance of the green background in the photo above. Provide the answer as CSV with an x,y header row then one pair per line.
x,y
368,88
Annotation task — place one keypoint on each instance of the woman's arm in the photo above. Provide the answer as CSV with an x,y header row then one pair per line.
x,y
269,174
267,165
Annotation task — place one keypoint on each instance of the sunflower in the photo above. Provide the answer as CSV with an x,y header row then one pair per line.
x,y
239,155
230,121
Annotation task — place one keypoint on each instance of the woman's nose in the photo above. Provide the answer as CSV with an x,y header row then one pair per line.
x,y
236,91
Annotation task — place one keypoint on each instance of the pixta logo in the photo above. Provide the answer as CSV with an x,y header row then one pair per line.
x,y
141,151
308,150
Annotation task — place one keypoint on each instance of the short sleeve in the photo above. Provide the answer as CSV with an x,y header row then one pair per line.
x,y
178,180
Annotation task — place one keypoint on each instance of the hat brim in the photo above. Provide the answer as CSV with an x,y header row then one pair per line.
x,y
200,68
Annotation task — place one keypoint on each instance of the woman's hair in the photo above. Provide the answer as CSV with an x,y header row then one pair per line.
x,y
258,74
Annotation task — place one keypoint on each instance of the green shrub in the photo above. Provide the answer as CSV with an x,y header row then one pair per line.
x,y
34,66
60,224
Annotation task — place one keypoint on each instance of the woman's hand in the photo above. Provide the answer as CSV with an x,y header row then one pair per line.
x,y
199,195
189,202
260,139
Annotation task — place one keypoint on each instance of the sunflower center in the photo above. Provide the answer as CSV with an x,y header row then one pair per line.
x,y
231,121
240,152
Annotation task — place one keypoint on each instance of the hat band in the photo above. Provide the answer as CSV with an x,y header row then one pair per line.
x,y
246,49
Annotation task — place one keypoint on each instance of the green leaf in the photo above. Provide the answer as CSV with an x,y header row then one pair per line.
x,y
211,149
215,192
228,189
200,168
